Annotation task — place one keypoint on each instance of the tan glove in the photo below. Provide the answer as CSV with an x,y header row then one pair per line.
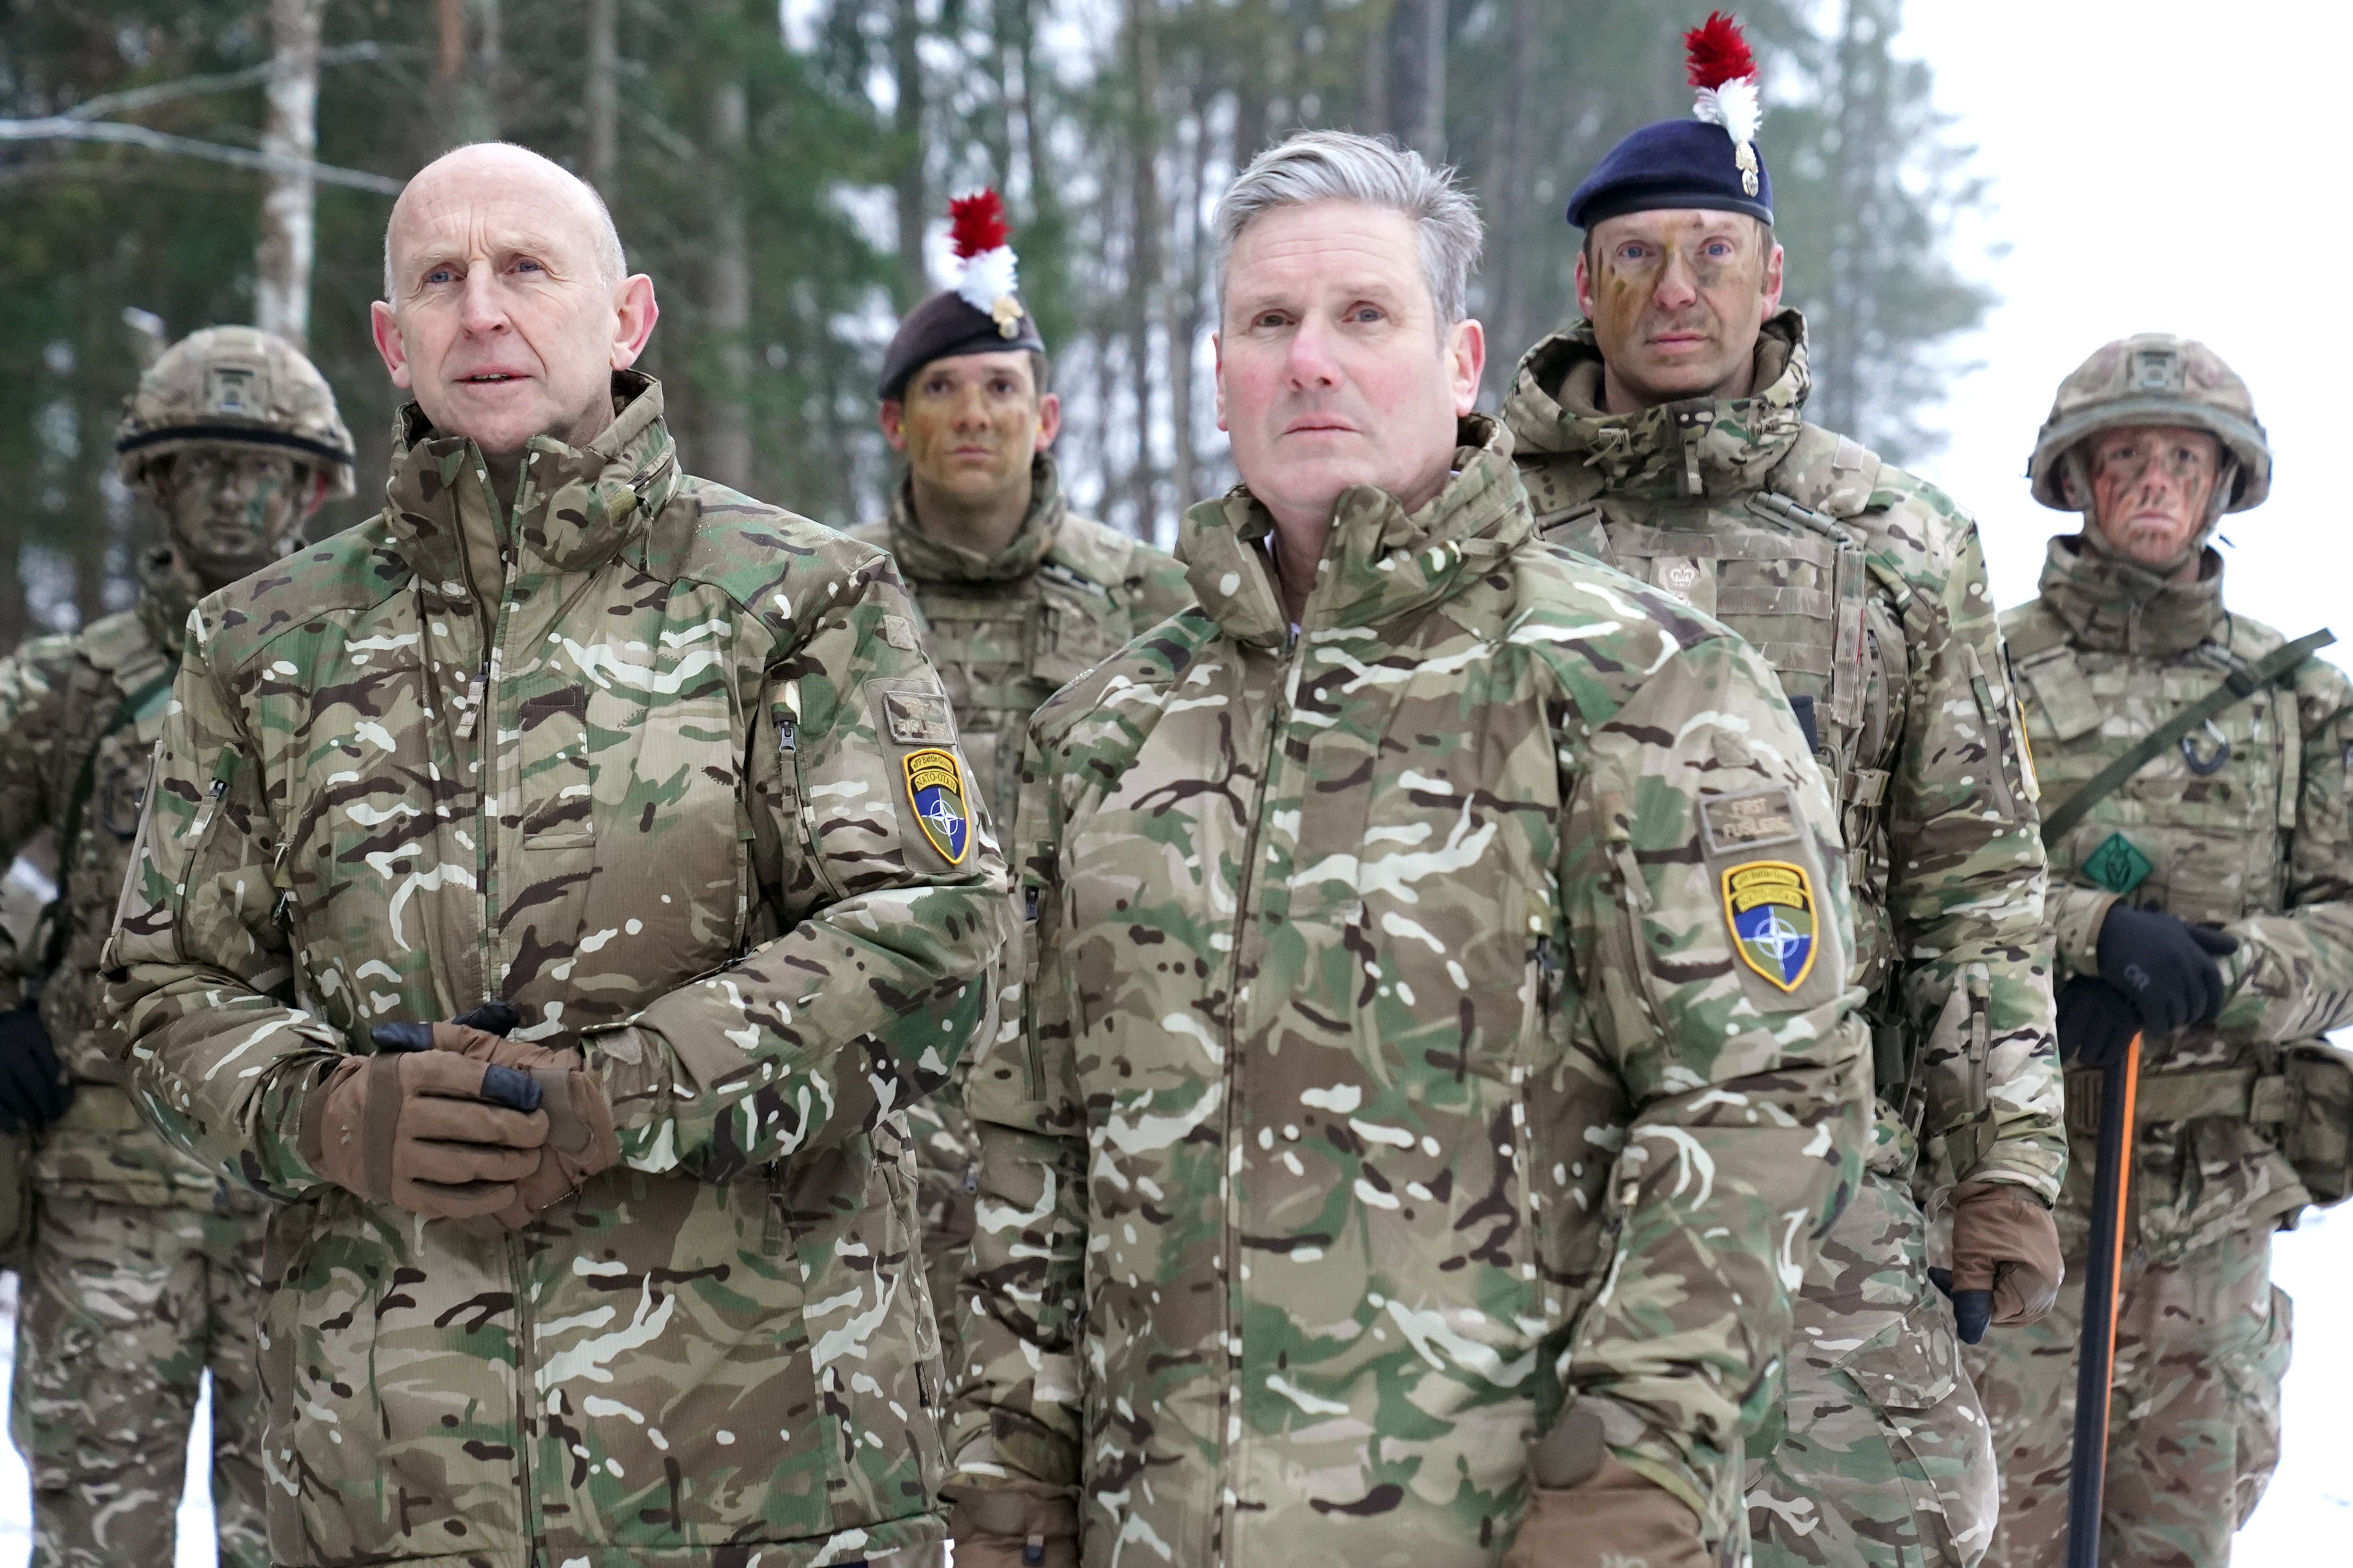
x,y
2004,1242
581,1141
416,1130
1586,1510
1022,1524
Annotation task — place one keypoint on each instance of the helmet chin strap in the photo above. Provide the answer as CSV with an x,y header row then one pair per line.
x,y
2079,486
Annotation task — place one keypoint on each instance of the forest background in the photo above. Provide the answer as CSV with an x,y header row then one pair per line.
x,y
783,170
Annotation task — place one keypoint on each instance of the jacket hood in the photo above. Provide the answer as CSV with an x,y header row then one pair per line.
x,y
574,508
2114,605
1380,560
1697,447
932,560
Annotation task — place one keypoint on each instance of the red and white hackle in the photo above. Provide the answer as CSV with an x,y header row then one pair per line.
x,y
1717,62
986,266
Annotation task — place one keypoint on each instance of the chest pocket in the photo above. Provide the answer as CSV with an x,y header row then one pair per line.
x,y
1078,627
1803,600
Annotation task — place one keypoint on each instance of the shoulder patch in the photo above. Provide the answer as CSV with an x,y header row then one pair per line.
x,y
919,718
935,790
1775,926
899,631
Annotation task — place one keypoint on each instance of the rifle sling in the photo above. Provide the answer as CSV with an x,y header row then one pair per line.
x,y
2236,688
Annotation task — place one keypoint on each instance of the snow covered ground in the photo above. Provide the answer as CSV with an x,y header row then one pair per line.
x,y
2305,1520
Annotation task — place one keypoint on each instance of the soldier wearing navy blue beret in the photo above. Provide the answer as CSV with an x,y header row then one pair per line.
x,y
1666,434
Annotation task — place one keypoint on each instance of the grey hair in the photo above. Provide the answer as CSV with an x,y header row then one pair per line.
x,y
1340,165
612,261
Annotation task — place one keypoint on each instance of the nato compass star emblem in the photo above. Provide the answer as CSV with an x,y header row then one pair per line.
x,y
935,790
1769,905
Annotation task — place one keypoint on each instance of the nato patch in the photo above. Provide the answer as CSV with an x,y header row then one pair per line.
x,y
1769,904
1736,822
935,789
2118,865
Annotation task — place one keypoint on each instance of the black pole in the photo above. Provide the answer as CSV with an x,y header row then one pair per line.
x,y
2103,1283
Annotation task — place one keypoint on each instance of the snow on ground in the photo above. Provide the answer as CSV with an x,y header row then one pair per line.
x,y
2306,1519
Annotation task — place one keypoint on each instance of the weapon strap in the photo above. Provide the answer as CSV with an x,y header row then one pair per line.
x,y
2237,686
54,953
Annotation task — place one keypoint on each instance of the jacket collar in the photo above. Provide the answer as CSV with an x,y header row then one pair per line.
x,y
2112,605
574,508
926,558
1380,560
1699,446
167,592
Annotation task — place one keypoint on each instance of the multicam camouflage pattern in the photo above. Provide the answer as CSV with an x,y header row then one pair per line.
x,y
591,758
2194,1418
124,1309
1389,1072
1007,631
1866,589
2245,826
234,387
2152,378
63,709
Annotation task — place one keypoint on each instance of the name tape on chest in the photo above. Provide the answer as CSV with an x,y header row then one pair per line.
x,y
935,790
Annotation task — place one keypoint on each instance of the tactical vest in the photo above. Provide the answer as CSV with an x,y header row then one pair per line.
x,y
1783,567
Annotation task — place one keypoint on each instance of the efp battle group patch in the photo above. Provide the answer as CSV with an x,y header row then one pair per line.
x,y
1771,907
935,790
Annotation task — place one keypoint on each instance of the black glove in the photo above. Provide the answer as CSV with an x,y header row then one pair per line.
x,y
2096,1022
1972,1310
2164,966
33,1089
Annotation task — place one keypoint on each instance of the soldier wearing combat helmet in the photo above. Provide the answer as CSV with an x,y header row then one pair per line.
x,y
145,1265
2194,772
1016,592
1666,434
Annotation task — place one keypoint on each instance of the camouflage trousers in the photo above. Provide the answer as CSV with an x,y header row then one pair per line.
x,y
2194,1414
123,1310
1882,1455
947,1178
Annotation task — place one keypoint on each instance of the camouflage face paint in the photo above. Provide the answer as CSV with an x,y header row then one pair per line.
x,y
1676,301
2153,489
228,510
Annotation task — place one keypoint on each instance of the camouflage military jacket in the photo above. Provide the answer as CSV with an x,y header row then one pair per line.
x,y
1008,629
592,757
64,718
1390,1070
1866,589
2245,825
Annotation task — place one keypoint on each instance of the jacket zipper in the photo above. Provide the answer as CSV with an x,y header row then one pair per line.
x,y
1246,918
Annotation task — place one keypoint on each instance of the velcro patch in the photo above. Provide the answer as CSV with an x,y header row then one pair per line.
x,y
2117,865
936,792
899,631
1736,822
919,718
1769,905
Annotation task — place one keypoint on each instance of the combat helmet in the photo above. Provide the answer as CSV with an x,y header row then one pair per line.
x,y
2152,378
234,387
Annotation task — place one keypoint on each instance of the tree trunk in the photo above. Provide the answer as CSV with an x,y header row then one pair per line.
x,y
1507,310
907,144
1143,267
603,104
1418,76
728,424
281,295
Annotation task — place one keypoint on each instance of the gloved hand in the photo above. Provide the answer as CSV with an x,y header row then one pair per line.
x,y
2006,1263
581,1141
434,1133
2164,966
1022,1524
1586,1510
34,1087
2096,1022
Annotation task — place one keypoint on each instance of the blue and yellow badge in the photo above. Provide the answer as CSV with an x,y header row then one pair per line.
x,y
935,789
1770,906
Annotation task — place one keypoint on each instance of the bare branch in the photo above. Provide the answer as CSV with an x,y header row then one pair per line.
x,y
137,97
57,128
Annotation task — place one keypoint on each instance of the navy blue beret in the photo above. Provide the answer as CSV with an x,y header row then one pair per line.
x,y
1674,163
943,327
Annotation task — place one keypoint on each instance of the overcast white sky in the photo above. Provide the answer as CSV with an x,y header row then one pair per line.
x,y
2182,167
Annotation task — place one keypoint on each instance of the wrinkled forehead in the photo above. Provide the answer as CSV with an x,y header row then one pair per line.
x,y
490,210
1326,247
